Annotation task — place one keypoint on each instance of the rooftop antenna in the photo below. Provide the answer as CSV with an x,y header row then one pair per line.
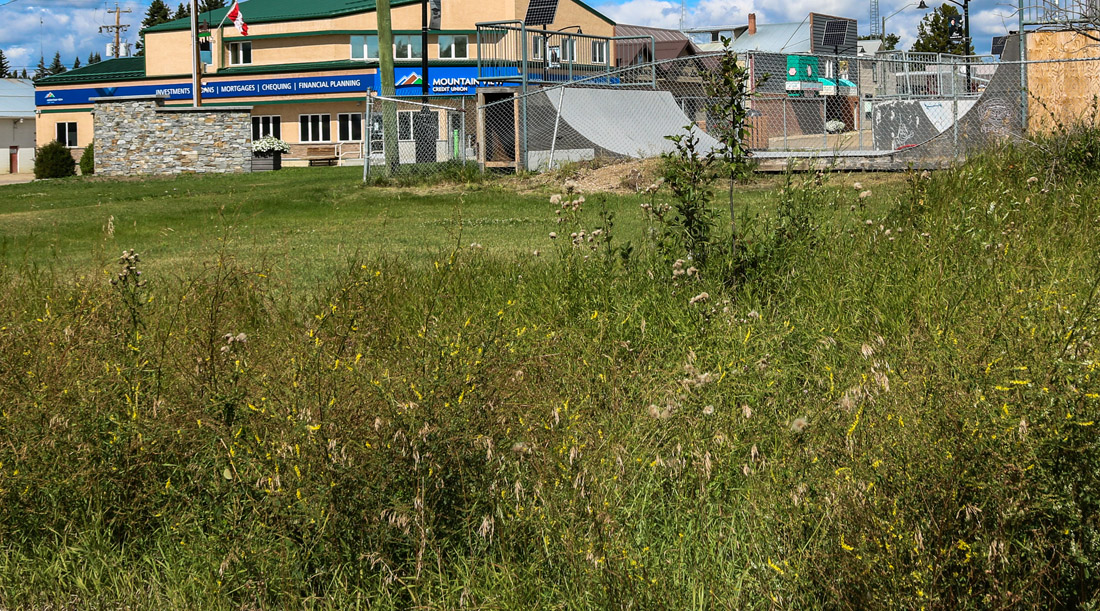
x,y
682,15
876,31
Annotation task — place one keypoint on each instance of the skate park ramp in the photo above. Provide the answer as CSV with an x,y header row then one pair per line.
x,y
606,122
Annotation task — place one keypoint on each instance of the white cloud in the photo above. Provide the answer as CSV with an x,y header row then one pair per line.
x,y
69,27
653,13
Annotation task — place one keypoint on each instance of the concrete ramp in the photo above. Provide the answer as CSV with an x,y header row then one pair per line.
x,y
627,123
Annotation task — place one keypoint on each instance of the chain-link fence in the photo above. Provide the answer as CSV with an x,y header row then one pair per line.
x,y
888,111
893,109
409,137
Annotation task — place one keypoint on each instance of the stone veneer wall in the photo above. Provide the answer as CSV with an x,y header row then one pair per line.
x,y
138,135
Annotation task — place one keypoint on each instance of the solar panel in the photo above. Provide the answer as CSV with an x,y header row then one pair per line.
x,y
835,32
998,45
541,12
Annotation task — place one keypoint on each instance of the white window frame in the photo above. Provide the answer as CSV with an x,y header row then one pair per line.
x,y
348,122
69,128
361,47
410,136
568,49
538,47
273,127
306,134
454,39
413,42
237,53
599,51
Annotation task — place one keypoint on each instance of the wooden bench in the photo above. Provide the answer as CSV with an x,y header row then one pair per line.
x,y
320,156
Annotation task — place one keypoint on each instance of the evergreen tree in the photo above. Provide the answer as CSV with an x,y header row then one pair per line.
x,y
98,58
889,42
5,68
91,59
933,37
41,71
210,5
76,63
56,67
157,14
24,75
182,11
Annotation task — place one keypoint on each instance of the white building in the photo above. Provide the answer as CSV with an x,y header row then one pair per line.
x,y
16,126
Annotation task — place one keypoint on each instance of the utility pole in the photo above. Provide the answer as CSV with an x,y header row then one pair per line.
x,y
385,66
424,86
117,28
196,64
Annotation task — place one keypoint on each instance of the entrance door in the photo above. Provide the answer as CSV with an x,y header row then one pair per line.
x,y
13,164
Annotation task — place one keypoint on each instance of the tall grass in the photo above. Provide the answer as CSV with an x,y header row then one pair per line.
x,y
893,409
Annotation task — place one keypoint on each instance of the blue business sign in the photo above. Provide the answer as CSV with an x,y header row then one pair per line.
x,y
444,81
459,80
345,83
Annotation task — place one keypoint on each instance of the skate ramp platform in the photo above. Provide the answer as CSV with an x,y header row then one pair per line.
x,y
579,123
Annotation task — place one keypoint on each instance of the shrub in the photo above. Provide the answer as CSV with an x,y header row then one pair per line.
x,y
87,160
54,161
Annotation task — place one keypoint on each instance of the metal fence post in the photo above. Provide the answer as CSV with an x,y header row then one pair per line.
x,y
786,146
955,107
522,153
557,121
1023,68
369,134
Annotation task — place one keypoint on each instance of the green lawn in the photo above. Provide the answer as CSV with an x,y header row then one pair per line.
x,y
300,221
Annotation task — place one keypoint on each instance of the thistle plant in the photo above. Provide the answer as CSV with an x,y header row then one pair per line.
x,y
131,289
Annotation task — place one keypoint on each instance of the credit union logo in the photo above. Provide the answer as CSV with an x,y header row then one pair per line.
x,y
412,79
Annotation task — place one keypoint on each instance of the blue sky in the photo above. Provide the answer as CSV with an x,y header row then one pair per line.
x,y
31,28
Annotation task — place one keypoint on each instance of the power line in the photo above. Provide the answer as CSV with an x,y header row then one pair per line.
x,y
117,28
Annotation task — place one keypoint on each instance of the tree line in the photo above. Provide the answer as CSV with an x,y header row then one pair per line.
x,y
55,67
158,13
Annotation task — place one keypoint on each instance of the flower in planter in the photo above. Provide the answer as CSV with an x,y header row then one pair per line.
x,y
269,145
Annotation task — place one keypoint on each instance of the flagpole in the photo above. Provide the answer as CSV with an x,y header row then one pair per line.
x,y
196,82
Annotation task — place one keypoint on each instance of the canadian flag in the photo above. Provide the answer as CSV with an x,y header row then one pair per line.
x,y
235,15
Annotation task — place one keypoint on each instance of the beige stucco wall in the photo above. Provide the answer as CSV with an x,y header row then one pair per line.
x,y
168,53
47,126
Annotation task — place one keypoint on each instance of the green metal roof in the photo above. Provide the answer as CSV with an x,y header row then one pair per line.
x,y
121,68
272,11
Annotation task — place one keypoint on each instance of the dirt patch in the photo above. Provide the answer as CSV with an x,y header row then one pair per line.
x,y
597,176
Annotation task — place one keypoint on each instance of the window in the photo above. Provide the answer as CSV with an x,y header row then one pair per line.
x,y
266,126
407,47
538,47
240,53
599,51
314,128
364,47
349,127
66,133
407,121
454,47
404,125
569,50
